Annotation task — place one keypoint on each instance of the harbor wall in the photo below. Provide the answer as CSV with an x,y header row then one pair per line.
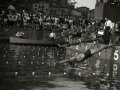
x,y
30,33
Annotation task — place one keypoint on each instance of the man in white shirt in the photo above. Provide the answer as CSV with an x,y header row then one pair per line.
x,y
107,29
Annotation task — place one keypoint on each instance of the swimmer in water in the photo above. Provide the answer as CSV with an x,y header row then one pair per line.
x,y
79,41
83,56
70,34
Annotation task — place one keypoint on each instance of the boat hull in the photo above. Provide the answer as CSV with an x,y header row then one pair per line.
x,y
14,40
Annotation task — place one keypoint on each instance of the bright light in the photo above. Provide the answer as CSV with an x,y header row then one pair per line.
x,y
79,74
107,74
65,73
93,73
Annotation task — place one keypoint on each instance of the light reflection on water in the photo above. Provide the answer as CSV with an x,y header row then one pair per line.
x,y
24,67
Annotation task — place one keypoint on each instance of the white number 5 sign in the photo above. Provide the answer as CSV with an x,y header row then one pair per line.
x,y
116,56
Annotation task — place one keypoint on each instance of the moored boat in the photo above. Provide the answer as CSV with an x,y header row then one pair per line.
x,y
15,40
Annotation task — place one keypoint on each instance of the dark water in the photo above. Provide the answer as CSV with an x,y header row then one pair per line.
x,y
24,67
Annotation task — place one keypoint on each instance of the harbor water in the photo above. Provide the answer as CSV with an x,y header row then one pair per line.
x,y
29,67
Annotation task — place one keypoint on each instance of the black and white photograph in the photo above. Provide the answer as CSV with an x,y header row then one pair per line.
x,y
59,44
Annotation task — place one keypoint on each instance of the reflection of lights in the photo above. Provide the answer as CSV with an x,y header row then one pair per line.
x,y
4,56
33,73
93,73
99,53
6,62
33,57
97,73
107,74
108,85
43,63
65,64
65,73
86,47
31,62
16,73
49,73
94,42
54,64
75,64
79,73
38,53
19,62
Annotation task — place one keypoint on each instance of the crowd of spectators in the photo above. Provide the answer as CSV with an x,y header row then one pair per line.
x,y
41,21
24,19
49,22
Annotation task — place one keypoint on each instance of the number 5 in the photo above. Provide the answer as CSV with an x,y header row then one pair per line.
x,y
116,56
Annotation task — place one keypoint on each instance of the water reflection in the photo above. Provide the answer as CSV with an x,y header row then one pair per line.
x,y
24,67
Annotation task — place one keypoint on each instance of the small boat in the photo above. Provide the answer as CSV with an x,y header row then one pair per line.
x,y
15,40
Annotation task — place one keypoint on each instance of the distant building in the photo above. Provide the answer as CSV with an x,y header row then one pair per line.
x,y
83,9
64,2
42,6
76,13
60,10
56,7
59,7
107,1
91,14
109,10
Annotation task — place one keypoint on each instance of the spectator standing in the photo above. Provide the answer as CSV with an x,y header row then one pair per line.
x,y
107,28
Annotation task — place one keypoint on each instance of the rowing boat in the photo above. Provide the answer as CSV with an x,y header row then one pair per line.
x,y
15,40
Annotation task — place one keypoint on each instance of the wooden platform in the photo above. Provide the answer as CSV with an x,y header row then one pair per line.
x,y
14,40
